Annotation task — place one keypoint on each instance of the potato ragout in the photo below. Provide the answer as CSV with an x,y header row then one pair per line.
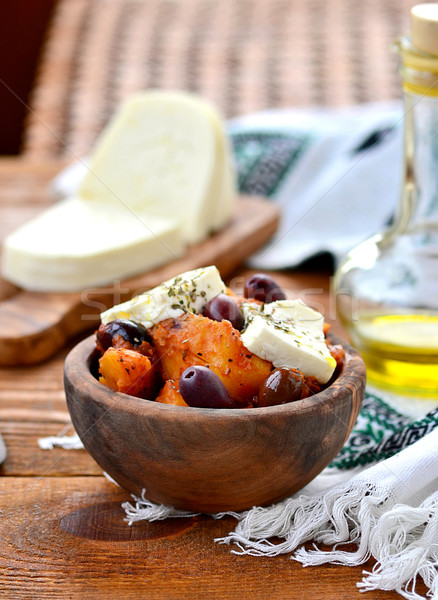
x,y
201,360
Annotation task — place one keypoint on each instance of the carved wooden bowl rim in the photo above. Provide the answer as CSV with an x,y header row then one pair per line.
x,y
77,371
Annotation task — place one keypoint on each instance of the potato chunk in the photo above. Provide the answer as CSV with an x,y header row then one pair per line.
x,y
129,372
195,340
170,394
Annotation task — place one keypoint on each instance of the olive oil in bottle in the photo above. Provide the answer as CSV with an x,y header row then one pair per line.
x,y
401,351
387,287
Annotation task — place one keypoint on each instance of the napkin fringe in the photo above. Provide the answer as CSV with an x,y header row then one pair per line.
x,y
402,539
330,518
405,541
144,509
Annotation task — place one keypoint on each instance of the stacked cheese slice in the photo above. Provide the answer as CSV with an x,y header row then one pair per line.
x,y
160,178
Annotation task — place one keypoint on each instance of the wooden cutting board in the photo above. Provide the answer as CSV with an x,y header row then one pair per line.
x,y
33,325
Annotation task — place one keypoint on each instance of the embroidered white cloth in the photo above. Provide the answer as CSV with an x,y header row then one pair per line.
x,y
313,164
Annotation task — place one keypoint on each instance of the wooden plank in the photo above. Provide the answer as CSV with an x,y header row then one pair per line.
x,y
32,406
66,538
33,389
26,459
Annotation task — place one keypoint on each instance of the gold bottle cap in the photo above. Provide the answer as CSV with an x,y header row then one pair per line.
x,y
424,27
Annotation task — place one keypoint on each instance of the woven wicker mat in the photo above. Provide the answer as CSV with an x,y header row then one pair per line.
x,y
244,55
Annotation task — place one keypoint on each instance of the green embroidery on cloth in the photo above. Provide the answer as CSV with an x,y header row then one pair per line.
x,y
381,432
263,159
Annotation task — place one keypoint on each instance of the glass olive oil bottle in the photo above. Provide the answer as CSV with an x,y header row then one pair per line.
x,y
387,287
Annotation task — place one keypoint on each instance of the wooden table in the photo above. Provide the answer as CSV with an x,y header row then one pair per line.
x,y
62,528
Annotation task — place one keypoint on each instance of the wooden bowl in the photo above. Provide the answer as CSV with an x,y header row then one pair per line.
x,y
211,460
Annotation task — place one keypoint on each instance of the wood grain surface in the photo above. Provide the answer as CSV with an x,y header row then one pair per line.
x,y
35,325
62,529
69,541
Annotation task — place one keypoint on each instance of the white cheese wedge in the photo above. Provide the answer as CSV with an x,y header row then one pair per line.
x,y
160,177
223,201
165,153
289,334
223,188
188,292
75,244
